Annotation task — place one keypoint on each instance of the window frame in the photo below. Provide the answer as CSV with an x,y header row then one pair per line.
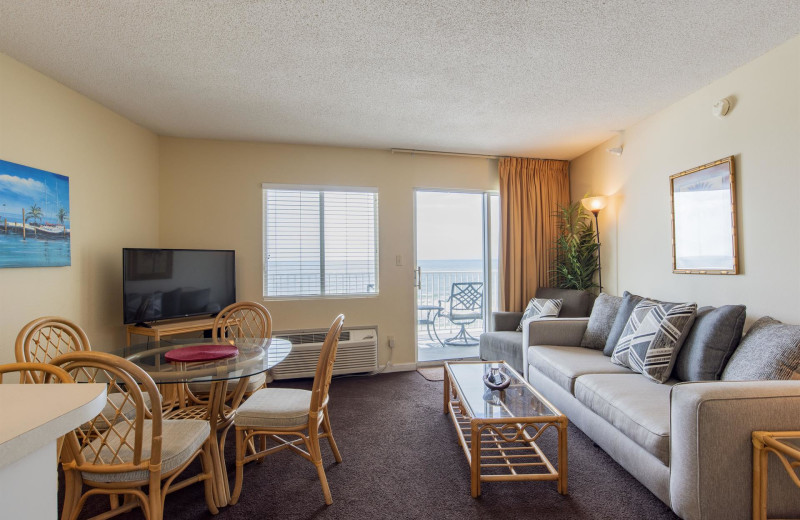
x,y
318,188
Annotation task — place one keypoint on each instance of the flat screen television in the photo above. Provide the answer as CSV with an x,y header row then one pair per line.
x,y
160,284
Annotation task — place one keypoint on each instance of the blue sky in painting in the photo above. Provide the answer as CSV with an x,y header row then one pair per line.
x,y
22,186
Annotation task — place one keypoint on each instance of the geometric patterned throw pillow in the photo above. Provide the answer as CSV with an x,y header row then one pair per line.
x,y
540,308
659,337
620,354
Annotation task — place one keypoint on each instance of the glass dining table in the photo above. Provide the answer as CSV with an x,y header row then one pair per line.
x,y
224,379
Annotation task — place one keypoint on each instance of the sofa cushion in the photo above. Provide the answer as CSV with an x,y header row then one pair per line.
x,y
769,350
540,308
659,338
708,347
577,304
632,404
602,318
563,365
502,346
629,302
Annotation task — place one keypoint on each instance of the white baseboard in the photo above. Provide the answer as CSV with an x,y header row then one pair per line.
x,y
400,367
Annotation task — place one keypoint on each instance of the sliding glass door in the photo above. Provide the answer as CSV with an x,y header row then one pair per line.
x,y
456,250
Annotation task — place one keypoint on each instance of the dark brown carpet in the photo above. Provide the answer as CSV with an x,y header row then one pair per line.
x,y
402,460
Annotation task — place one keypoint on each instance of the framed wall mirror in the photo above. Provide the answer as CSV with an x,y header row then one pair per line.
x,y
704,219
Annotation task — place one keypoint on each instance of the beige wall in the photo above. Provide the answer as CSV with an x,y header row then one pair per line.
x,y
211,198
112,165
762,132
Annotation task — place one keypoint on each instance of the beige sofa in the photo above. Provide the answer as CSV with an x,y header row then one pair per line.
x,y
688,443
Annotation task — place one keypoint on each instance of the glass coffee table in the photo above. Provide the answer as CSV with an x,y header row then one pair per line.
x,y
507,424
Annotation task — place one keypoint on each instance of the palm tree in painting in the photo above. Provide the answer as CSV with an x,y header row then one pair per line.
x,y
34,214
62,216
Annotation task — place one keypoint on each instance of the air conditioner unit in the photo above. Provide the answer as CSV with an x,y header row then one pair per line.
x,y
357,352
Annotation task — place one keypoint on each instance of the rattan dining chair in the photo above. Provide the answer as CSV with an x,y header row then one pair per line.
x,y
276,412
44,339
238,320
38,372
118,455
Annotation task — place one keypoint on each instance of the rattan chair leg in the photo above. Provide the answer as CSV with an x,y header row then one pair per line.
x,y
241,446
326,427
72,492
262,445
156,501
312,443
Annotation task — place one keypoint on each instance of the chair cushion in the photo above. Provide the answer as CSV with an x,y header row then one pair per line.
x,y
602,318
563,365
637,407
275,408
577,304
540,308
714,336
204,387
502,346
181,438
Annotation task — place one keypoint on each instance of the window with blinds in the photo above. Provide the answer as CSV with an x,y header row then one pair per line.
x,y
320,241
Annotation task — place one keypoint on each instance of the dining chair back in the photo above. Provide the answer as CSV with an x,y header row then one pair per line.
x,y
121,449
44,339
38,372
324,371
243,320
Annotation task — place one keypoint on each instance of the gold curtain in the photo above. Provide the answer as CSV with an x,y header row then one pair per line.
x,y
530,192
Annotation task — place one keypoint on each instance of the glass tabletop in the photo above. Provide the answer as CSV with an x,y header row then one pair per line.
x,y
254,357
518,400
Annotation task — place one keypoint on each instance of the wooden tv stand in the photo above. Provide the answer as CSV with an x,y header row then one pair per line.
x,y
169,328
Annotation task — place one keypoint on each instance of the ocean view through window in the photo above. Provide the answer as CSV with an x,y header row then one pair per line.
x,y
320,241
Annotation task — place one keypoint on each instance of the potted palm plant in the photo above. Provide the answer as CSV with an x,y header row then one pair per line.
x,y
576,249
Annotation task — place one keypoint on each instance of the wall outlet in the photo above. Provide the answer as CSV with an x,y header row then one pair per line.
x,y
390,341
398,260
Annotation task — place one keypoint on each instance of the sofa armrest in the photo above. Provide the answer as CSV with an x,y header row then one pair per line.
x,y
506,320
566,332
711,472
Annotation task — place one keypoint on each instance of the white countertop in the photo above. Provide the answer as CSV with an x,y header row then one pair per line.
x,y
33,415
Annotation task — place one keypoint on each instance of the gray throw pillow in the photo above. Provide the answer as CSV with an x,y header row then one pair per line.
x,y
602,318
659,338
769,350
629,302
540,308
714,336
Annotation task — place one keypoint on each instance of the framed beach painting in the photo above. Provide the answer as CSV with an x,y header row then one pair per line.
x,y
704,219
34,217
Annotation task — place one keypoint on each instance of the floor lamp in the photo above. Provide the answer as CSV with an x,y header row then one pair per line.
x,y
595,204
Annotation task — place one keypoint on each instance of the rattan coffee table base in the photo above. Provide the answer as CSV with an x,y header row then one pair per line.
x,y
507,449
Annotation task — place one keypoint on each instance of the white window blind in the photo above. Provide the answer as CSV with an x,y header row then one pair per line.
x,y
320,241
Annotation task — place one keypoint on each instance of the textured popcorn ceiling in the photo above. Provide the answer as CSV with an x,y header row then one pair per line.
x,y
532,78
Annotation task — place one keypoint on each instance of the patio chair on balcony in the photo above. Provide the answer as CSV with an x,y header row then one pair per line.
x,y
463,307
